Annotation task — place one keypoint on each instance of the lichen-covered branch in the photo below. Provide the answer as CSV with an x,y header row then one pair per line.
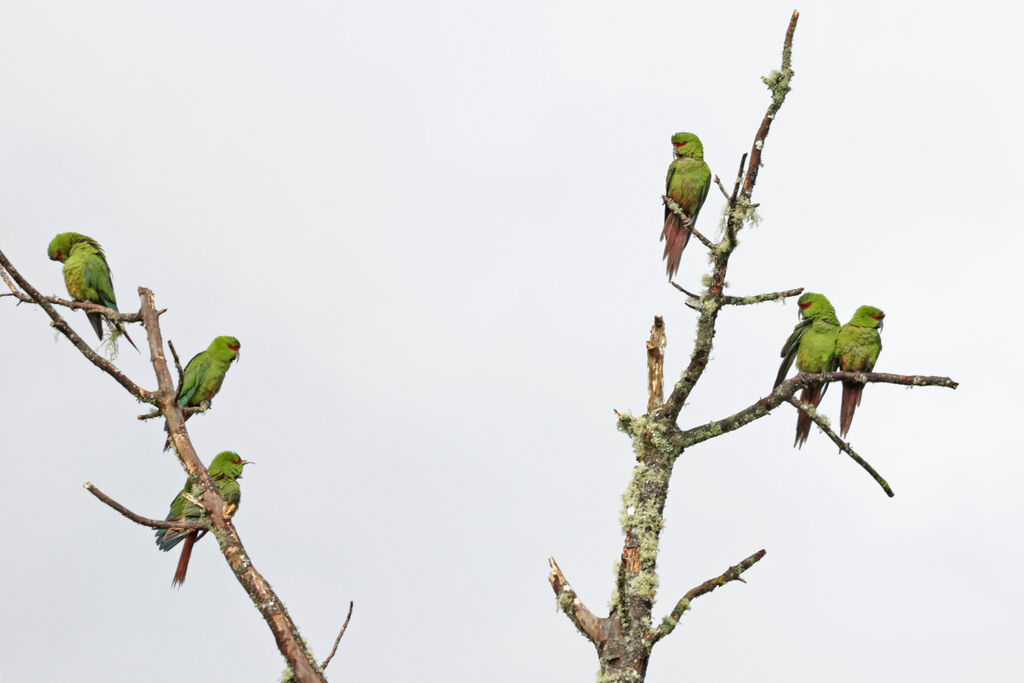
x,y
738,211
733,573
823,425
689,437
584,620
65,329
758,298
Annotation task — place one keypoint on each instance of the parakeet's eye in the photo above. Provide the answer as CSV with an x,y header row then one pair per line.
x,y
60,255
878,317
238,462
805,306
234,348
680,144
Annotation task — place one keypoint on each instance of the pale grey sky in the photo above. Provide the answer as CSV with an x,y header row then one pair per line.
x,y
434,228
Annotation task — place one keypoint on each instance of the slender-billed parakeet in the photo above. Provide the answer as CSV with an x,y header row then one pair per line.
x,y
86,275
858,347
689,179
813,345
225,470
205,373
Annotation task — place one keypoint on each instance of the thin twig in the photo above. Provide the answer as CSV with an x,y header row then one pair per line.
x,y
139,519
733,573
686,220
177,366
758,298
823,425
722,188
337,640
62,325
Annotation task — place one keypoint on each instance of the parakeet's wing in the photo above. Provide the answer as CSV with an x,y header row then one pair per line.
x,y
195,374
168,538
789,350
97,276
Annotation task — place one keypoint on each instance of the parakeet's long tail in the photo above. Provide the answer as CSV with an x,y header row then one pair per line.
x,y
852,392
97,323
676,234
186,553
125,333
813,396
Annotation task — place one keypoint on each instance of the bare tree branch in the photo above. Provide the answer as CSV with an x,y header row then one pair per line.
x,y
782,393
823,425
177,366
656,364
758,298
738,212
65,329
337,641
722,188
286,633
139,519
578,614
733,573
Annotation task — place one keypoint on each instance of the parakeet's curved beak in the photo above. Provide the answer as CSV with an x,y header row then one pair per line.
x,y
880,325
247,462
238,354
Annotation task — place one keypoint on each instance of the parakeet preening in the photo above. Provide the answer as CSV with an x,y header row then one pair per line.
x,y
225,470
857,348
205,373
689,179
86,275
813,345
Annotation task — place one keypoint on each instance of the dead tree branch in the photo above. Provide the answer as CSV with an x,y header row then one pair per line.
x,y
139,519
65,329
823,425
337,641
273,611
656,364
733,573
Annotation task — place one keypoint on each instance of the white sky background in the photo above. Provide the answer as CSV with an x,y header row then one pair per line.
x,y
434,228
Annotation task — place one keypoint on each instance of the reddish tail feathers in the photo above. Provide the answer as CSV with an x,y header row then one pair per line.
x,y
676,234
852,392
186,553
813,396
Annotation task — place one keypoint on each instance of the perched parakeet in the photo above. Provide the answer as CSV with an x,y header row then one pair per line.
x,y
813,344
225,470
689,179
857,348
86,275
205,373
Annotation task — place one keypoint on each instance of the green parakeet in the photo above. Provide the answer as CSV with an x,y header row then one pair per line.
x,y
86,275
857,348
205,373
225,470
689,179
813,345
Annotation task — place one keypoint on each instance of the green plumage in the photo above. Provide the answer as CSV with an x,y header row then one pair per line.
x,y
86,275
857,348
687,184
205,373
813,345
225,470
